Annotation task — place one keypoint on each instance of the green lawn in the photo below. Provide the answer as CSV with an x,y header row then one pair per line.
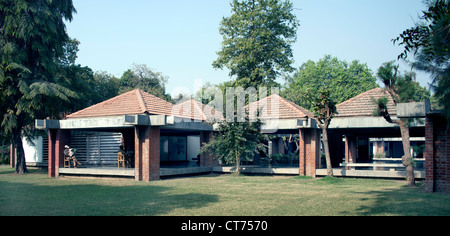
x,y
36,194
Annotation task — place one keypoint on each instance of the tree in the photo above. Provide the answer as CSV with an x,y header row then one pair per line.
x,y
346,80
401,88
324,108
106,86
429,41
257,41
236,141
32,40
142,77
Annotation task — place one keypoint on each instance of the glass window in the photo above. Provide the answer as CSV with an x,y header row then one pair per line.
x,y
164,148
177,148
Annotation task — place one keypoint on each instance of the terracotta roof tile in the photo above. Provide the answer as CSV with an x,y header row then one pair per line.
x,y
196,110
283,109
363,105
130,103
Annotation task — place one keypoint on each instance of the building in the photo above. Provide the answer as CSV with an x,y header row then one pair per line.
x,y
144,125
164,139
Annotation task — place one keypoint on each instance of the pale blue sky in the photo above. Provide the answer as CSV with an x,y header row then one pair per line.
x,y
180,38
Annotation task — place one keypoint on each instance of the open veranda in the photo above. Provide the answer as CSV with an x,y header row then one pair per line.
x,y
217,195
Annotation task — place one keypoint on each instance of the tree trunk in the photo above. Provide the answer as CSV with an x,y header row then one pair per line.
x,y
238,164
327,151
21,166
407,158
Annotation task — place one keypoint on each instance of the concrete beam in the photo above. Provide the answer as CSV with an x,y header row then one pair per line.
x,y
47,124
359,122
125,121
273,125
413,109
188,125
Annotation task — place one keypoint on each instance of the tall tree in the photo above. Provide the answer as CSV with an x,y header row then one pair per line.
x,y
345,79
324,108
257,40
429,41
401,88
142,77
106,86
32,41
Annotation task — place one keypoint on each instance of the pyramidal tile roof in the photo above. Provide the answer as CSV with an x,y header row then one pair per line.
x,y
363,105
130,103
276,107
196,110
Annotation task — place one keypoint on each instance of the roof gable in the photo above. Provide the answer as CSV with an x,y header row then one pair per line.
x,y
363,105
129,103
276,107
196,110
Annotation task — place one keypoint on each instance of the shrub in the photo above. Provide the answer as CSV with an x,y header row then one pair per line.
x,y
4,154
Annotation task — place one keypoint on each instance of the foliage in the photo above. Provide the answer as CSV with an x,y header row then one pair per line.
x,y
106,87
257,41
142,77
429,40
4,154
346,80
431,35
236,141
324,108
322,105
401,88
33,44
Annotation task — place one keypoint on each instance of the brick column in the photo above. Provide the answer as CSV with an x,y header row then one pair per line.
x,y
147,153
437,154
51,152
309,151
429,155
57,139
302,153
206,158
313,152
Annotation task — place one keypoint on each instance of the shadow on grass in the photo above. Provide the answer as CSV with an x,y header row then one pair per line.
x,y
405,201
71,199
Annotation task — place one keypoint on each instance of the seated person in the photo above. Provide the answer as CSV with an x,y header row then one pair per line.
x,y
70,153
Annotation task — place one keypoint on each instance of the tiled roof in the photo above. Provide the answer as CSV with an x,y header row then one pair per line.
x,y
130,103
363,105
283,109
196,110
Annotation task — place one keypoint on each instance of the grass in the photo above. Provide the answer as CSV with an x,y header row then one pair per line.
x,y
218,195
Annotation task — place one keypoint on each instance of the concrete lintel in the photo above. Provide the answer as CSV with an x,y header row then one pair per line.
x,y
89,123
273,125
359,122
146,120
368,122
188,125
124,121
136,120
413,109
47,124
158,120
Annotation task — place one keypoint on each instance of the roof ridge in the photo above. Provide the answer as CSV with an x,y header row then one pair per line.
x,y
289,103
198,106
141,100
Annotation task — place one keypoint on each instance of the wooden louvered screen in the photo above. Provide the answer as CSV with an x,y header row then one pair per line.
x,y
97,148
